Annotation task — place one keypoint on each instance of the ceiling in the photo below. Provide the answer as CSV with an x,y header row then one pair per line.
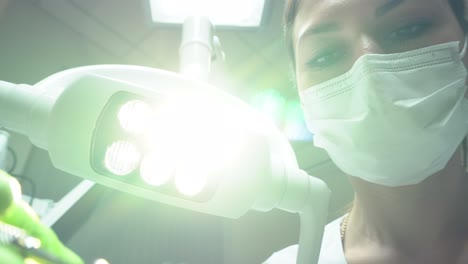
x,y
52,35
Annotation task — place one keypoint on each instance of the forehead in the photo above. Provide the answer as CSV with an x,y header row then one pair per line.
x,y
315,12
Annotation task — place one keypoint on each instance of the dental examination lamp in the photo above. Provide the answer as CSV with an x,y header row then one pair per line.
x,y
169,137
164,137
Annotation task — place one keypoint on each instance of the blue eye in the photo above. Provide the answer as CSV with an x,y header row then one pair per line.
x,y
409,31
326,58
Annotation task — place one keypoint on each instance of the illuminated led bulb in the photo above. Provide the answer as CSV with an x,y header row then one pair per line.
x,y
101,261
190,180
134,116
122,158
156,169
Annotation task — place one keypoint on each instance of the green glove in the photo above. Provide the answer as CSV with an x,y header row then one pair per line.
x,y
14,211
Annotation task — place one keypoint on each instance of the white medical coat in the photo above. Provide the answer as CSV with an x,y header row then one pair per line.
x,y
330,253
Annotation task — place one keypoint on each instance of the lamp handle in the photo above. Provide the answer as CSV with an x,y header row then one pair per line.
x,y
313,220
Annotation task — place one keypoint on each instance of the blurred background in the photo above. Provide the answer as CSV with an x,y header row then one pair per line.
x,y
41,37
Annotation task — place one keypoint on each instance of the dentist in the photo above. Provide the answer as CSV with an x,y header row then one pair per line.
x,y
383,84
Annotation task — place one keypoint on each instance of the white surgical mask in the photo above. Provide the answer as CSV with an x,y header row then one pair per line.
x,y
393,119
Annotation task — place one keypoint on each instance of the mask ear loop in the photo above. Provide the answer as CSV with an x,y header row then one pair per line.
x,y
464,154
465,47
465,140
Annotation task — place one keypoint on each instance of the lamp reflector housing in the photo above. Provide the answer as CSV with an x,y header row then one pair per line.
x,y
235,158
170,145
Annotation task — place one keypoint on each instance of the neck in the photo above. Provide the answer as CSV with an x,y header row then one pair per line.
x,y
415,217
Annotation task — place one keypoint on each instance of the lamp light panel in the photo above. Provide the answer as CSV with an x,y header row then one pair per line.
x,y
239,13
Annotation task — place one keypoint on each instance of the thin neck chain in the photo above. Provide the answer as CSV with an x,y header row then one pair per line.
x,y
343,226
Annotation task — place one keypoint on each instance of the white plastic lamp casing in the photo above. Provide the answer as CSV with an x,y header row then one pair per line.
x,y
196,48
59,114
4,139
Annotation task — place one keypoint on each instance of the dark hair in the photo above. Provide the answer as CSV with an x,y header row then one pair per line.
x,y
291,8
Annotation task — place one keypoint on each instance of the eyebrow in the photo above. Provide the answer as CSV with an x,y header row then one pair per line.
x,y
387,7
333,27
321,28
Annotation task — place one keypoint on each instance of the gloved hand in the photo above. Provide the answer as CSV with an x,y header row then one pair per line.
x,y
14,211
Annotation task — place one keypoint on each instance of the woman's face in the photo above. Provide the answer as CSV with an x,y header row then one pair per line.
x,y
330,35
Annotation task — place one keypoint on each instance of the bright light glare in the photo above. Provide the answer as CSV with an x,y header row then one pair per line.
x,y
272,104
191,178
121,158
295,127
243,13
202,136
195,71
197,131
157,168
134,116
